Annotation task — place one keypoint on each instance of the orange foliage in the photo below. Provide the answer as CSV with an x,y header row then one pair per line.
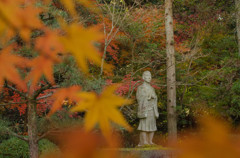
x,y
64,93
21,17
77,143
49,44
212,141
152,18
112,48
40,66
8,63
154,30
16,19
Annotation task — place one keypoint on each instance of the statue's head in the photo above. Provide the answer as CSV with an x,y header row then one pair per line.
x,y
147,77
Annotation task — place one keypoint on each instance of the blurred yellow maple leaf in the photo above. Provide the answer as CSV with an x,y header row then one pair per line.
x,y
79,42
101,109
8,63
213,141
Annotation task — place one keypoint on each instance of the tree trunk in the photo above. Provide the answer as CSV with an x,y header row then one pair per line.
x,y
103,57
171,74
237,4
32,130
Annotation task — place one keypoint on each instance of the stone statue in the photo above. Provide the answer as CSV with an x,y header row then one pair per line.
x,y
147,110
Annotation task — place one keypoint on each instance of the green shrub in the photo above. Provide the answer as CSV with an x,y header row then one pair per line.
x,y
3,127
16,148
46,146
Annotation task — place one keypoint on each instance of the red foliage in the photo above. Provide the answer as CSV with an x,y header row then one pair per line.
x,y
126,85
42,105
112,49
129,84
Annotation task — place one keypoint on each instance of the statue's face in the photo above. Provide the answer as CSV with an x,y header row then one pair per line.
x,y
147,77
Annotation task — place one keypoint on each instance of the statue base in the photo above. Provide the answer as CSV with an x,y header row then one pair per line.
x,y
147,152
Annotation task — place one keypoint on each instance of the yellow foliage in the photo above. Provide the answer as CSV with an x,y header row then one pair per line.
x,y
79,42
102,109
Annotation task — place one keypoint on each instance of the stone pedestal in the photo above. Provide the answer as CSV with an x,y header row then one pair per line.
x,y
147,152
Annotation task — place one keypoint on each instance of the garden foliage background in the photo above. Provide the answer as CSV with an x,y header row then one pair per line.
x,y
60,61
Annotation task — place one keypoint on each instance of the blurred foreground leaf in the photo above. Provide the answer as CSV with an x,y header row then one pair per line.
x,y
102,109
212,141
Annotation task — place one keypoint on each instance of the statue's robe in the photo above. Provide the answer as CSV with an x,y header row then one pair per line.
x,y
147,108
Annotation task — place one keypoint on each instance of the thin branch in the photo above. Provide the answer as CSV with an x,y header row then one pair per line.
x,y
13,103
113,14
45,96
134,86
49,94
117,21
45,134
16,135
17,91
142,68
37,92
54,87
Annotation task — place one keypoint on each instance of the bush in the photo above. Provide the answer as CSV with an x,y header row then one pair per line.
x,y
16,148
3,126
45,146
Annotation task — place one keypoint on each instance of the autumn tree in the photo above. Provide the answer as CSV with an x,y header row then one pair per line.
x,y
114,13
19,20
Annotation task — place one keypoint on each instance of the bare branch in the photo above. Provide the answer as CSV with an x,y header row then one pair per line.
x,y
37,92
13,103
16,135
45,96
142,68
45,134
54,87
17,91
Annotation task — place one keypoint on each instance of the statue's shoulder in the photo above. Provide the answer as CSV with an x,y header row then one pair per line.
x,y
140,91
141,87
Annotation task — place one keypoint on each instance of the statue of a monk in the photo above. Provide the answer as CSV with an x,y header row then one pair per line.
x,y
147,110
